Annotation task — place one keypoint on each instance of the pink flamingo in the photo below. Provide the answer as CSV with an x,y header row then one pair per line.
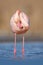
x,y
19,24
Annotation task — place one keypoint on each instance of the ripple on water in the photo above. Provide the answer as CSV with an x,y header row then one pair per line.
x,y
32,50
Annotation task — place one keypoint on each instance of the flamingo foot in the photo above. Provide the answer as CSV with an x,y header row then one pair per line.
x,y
14,51
22,51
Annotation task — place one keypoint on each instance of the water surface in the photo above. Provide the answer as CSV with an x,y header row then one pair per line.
x,y
33,54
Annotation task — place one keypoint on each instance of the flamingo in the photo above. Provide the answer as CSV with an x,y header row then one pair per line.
x,y
20,24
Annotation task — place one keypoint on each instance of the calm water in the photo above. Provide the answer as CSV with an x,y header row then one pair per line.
x,y
33,53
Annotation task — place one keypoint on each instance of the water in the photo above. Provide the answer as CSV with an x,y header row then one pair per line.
x,y
33,54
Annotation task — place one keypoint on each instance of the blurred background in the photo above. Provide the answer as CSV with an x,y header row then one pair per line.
x,y
33,8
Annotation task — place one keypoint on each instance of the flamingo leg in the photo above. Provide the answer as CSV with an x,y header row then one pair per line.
x,y
23,46
15,45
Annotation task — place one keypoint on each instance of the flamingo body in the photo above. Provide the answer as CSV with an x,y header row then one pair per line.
x,y
19,25
19,22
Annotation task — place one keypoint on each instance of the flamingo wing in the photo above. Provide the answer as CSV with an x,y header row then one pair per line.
x,y
24,19
14,27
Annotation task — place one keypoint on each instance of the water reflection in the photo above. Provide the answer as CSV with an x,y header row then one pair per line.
x,y
31,50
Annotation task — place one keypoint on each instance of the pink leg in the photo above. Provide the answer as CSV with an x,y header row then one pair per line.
x,y
15,45
23,46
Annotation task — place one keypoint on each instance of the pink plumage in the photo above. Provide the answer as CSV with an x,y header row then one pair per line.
x,y
19,22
